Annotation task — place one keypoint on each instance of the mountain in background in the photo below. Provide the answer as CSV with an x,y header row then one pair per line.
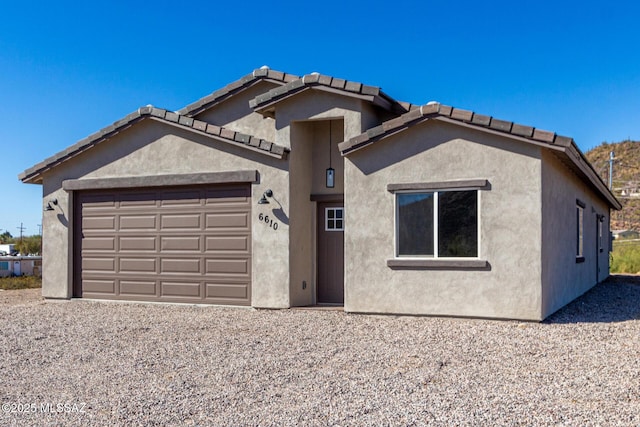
x,y
626,179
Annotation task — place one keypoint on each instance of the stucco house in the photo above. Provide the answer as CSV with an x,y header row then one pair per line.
x,y
279,191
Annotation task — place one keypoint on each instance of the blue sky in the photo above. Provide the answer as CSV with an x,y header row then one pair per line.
x,y
68,69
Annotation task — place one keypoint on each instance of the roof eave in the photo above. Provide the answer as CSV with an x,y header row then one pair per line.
x,y
34,174
487,124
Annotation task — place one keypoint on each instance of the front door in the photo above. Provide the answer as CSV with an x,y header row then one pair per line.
x,y
330,284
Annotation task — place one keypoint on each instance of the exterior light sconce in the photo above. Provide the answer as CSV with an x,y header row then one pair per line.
x,y
50,205
331,173
263,200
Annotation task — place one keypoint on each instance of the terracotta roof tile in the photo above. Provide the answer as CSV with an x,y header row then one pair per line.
x,y
521,130
543,135
464,115
563,141
325,80
200,125
227,133
213,129
500,125
353,87
481,119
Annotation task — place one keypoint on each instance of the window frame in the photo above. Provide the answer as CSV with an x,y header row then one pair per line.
x,y
600,232
335,218
436,206
580,207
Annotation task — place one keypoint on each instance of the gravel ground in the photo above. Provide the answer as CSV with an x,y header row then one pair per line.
x,y
142,364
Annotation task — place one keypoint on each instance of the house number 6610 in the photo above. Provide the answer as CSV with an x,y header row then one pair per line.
x,y
269,221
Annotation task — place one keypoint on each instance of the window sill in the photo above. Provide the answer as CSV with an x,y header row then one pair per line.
x,y
438,264
579,259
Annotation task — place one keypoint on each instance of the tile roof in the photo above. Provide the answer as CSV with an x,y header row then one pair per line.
x,y
263,102
164,116
439,111
436,111
259,74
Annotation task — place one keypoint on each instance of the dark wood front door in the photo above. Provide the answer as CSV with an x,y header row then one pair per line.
x,y
330,253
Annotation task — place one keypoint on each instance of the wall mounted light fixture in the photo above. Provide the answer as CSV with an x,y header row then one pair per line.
x,y
331,172
263,200
50,205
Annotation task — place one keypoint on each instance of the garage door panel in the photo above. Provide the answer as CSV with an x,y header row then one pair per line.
x,y
99,243
181,266
181,243
227,266
227,220
137,288
181,289
99,286
167,244
137,222
226,290
99,223
137,243
104,265
181,198
227,243
137,199
99,201
180,222
137,265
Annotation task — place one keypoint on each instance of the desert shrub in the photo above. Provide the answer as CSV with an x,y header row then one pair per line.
x,y
626,258
20,282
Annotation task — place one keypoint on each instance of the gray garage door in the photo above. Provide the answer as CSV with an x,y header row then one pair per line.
x,y
178,244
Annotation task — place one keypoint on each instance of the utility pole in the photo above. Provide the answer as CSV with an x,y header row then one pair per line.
x,y
611,158
21,228
40,234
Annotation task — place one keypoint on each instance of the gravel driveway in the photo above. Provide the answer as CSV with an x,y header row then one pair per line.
x,y
85,363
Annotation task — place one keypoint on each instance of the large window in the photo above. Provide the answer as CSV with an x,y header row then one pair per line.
x,y
438,224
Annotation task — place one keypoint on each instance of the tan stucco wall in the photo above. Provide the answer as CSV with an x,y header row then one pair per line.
x,y
510,224
234,113
153,148
562,278
314,104
320,156
301,247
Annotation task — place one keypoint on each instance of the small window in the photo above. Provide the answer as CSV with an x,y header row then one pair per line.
x,y
4,265
579,231
437,224
334,219
600,227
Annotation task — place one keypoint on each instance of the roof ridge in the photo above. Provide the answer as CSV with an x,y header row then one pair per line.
x,y
262,73
330,82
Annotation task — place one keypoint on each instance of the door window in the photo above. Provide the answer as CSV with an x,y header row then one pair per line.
x,y
334,219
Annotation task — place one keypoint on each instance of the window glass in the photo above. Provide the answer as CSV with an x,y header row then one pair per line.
x,y
601,220
580,234
334,219
458,224
4,265
415,224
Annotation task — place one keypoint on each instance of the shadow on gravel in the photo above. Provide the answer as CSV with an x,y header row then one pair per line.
x,y
617,299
